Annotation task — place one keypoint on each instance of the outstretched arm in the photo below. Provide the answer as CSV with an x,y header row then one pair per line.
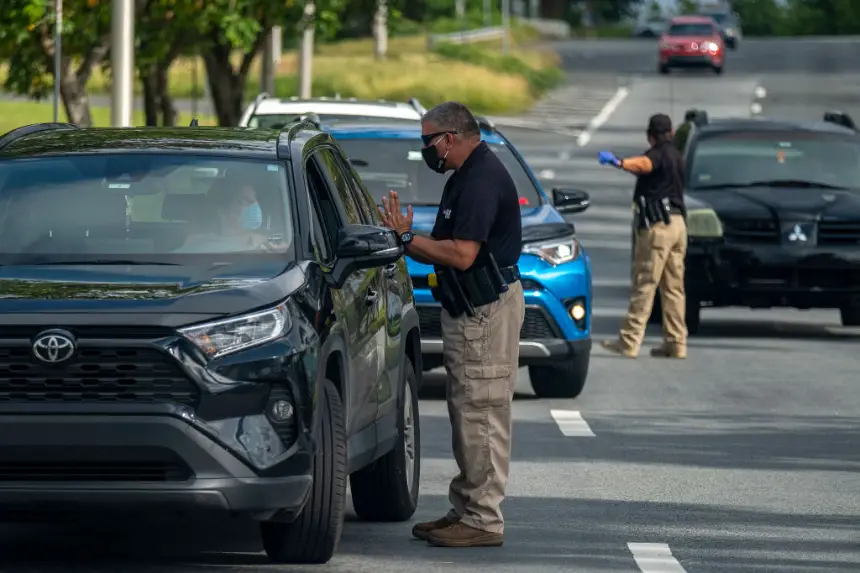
x,y
638,165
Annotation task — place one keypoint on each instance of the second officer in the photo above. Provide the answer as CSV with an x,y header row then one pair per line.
x,y
661,243
474,248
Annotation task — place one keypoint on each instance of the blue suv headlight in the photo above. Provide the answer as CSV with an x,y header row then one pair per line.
x,y
555,252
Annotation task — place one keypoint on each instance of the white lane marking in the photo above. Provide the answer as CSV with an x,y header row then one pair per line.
x,y
755,108
655,558
601,118
760,92
546,174
571,424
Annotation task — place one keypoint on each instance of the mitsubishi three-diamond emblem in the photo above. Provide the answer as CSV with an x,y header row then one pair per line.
x,y
797,235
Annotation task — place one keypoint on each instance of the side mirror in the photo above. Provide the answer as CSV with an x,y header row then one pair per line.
x,y
570,200
363,247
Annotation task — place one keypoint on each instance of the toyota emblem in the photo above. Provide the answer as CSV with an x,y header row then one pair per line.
x,y
54,347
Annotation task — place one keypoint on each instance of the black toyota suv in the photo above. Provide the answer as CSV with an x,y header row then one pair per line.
x,y
203,318
773,214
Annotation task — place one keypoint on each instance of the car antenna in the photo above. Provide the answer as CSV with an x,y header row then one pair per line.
x,y
194,123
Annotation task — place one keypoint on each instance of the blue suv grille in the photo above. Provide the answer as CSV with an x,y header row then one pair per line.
x,y
537,324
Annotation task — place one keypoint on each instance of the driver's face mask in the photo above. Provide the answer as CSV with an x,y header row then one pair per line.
x,y
252,216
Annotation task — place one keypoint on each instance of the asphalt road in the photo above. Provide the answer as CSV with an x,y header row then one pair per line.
x,y
742,458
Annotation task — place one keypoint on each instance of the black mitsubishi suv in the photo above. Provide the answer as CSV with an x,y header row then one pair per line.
x,y
204,318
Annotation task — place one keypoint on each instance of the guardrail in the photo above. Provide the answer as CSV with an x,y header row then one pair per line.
x,y
467,36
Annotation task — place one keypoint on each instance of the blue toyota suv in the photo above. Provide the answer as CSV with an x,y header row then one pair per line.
x,y
556,271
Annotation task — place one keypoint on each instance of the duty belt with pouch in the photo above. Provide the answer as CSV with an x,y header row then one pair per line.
x,y
460,292
649,213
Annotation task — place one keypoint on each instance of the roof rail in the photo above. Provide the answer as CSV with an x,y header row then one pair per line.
x,y
16,134
311,118
416,105
697,116
840,118
194,122
485,123
257,100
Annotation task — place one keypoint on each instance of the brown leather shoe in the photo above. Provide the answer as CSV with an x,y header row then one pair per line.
x,y
615,347
462,535
669,351
422,530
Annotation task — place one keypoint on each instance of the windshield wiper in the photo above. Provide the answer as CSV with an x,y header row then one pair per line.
x,y
100,262
795,183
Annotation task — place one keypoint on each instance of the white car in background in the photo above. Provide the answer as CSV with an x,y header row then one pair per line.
x,y
267,112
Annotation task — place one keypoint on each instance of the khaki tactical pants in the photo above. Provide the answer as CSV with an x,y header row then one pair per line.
x,y
658,261
481,355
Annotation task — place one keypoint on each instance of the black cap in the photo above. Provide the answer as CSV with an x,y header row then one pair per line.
x,y
659,124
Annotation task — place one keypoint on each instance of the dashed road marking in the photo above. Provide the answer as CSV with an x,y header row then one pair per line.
x,y
602,117
571,424
655,558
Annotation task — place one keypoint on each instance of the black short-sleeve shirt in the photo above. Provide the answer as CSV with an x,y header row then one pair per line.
x,y
480,203
666,178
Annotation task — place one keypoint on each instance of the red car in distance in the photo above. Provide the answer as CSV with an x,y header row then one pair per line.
x,y
692,42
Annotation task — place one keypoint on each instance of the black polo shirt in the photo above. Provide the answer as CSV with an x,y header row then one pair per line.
x,y
480,203
666,179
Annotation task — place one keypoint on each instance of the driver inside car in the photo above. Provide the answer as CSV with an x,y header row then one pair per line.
x,y
235,224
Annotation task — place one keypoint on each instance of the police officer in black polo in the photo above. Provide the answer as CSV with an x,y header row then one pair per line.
x,y
661,243
477,236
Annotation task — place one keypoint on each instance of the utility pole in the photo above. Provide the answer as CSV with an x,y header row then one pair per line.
x,y
506,25
267,65
380,29
58,55
122,62
460,7
307,52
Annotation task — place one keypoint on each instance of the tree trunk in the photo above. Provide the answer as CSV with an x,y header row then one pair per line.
x,y
226,84
75,99
168,109
150,97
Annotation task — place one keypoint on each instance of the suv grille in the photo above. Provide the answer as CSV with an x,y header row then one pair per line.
x,y
536,324
839,233
95,375
92,471
760,231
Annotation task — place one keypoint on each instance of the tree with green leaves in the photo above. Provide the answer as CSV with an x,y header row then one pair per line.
x,y
27,45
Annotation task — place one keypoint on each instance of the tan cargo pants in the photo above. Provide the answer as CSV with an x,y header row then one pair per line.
x,y
658,260
481,356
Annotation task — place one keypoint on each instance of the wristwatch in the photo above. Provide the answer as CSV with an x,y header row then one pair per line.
x,y
406,238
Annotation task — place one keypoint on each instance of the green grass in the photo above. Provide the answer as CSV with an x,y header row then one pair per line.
x,y
16,113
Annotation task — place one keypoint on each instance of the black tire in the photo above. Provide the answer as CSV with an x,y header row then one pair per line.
x,y
314,535
663,69
850,315
694,316
382,491
718,70
562,380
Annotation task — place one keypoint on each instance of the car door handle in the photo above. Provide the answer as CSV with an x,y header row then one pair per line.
x,y
390,270
371,297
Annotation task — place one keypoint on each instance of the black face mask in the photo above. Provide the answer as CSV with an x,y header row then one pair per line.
x,y
432,159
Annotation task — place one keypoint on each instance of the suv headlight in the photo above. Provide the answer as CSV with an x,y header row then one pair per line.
x,y
555,253
223,337
704,224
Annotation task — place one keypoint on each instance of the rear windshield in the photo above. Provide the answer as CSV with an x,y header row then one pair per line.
x,y
396,165
746,157
141,207
691,30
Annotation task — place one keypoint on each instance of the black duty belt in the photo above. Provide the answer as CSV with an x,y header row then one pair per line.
x,y
511,274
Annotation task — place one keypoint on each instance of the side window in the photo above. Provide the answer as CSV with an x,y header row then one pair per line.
x,y
682,134
327,159
325,216
366,204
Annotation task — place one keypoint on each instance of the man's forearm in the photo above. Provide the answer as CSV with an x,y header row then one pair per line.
x,y
429,251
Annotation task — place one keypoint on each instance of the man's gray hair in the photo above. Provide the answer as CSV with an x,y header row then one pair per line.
x,y
453,116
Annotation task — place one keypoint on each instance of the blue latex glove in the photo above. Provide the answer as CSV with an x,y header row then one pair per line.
x,y
608,158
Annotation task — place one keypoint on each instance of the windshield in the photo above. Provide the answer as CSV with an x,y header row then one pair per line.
x,y
681,30
279,120
396,165
141,208
742,158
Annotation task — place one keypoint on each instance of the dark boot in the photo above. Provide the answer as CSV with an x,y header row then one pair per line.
x,y
461,535
422,530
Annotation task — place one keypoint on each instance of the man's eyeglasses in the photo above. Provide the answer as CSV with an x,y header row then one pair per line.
x,y
428,139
